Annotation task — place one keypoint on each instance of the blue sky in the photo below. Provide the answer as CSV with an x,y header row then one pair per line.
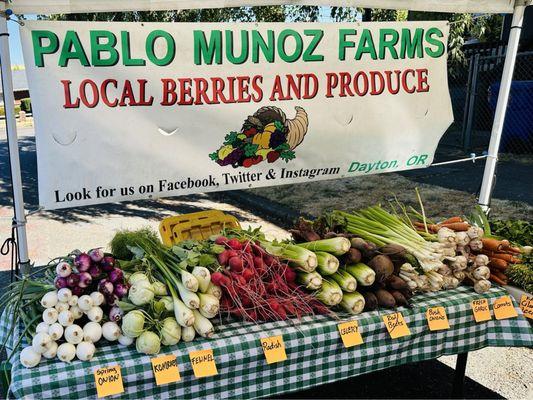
x,y
14,43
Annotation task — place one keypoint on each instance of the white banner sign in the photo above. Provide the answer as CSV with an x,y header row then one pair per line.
x,y
130,111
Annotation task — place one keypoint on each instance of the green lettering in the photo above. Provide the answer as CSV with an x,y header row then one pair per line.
x,y
439,51
282,38
150,47
97,48
411,44
317,35
388,39
39,50
229,47
126,52
343,43
72,50
366,46
266,49
210,52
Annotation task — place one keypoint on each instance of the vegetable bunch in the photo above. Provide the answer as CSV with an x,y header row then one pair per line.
x,y
256,285
171,296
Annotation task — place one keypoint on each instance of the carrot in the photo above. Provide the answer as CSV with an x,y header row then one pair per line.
x,y
492,244
451,220
431,227
498,264
503,256
515,250
456,226
494,278
501,275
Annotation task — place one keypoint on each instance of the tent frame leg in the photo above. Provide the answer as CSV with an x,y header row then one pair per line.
x,y
489,174
12,142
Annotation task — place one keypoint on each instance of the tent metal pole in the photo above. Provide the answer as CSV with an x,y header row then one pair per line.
x,y
501,106
12,141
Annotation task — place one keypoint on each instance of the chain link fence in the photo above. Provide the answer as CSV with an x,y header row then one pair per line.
x,y
474,93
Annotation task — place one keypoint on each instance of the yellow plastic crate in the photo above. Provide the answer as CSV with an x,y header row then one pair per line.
x,y
198,225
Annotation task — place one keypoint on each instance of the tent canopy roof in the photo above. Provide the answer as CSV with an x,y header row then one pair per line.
x,y
82,6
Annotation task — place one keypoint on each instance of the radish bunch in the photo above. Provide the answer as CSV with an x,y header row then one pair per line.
x,y
70,327
257,286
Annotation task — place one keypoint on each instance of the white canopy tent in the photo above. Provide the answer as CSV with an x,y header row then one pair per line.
x,y
517,7
82,6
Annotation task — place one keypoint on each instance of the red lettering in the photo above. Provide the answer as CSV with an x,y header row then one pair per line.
x,y
345,84
185,92
256,86
103,92
389,81
422,80
127,94
142,94
68,99
408,89
333,81
356,87
201,91
169,92
242,89
218,90
309,94
83,93
374,88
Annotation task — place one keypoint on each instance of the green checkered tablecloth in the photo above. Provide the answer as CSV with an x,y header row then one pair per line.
x,y
314,349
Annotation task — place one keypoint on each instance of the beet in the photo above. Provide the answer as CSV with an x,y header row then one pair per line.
x,y
371,301
385,299
382,266
248,274
353,256
399,298
396,283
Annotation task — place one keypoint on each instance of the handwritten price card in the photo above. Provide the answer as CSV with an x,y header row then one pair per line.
x,y
274,349
108,381
480,308
396,325
526,304
203,363
437,319
165,369
504,308
350,334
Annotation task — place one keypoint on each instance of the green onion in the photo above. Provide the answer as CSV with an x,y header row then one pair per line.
x,y
378,226
327,263
310,280
346,281
353,303
336,246
363,273
330,293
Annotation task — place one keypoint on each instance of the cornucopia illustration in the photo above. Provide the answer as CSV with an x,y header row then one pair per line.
x,y
266,135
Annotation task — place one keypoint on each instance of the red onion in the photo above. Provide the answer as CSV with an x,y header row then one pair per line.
x,y
63,269
95,271
105,287
78,290
85,279
82,262
73,280
121,290
107,263
115,314
60,282
96,255
111,300
115,275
